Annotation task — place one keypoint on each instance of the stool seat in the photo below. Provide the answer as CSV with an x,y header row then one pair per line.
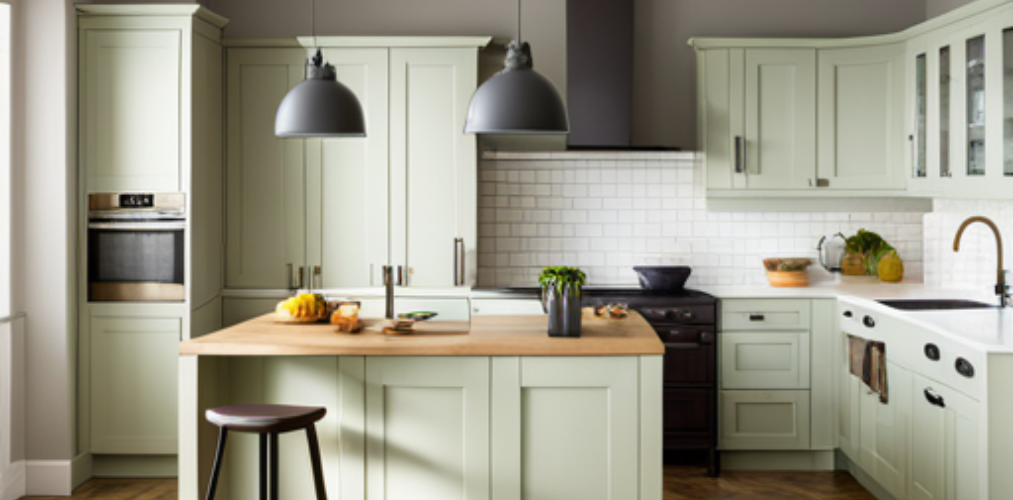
x,y
265,418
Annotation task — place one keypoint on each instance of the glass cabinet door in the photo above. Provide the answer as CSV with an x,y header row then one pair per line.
x,y
1007,99
921,97
976,106
944,111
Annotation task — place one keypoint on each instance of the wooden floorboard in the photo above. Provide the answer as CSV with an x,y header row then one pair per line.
x,y
681,483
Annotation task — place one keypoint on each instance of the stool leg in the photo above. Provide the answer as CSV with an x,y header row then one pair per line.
x,y
318,470
263,467
217,468
274,466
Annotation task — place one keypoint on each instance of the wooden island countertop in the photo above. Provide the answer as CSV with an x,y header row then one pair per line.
x,y
488,336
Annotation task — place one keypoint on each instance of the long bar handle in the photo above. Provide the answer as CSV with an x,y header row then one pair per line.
x,y
318,273
459,265
739,154
402,278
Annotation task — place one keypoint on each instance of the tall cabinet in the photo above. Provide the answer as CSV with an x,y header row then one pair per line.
x,y
329,213
150,121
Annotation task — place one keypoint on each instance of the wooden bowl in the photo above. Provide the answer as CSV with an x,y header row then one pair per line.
x,y
788,279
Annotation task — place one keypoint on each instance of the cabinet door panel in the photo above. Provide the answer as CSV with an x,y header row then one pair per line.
x,y
433,164
861,109
424,415
130,134
780,118
764,420
928,432
346,186
133,385
264,198
885,431
963,442
238,310
764,360
849,397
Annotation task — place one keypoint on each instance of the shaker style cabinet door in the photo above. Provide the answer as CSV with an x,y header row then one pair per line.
x,y
780,118
346,183
849,400
752,360
265,207
763,420
427,428
928,443
885,432
130,110
133,385
433,166
861,117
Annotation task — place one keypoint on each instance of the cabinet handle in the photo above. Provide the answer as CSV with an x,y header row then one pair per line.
x,y
402,279
934,398
459,262
316,282
757,317
738,154
302,275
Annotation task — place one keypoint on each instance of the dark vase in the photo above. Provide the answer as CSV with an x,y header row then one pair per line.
x,y
563,307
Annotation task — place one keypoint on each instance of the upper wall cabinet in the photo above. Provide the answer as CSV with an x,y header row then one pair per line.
x,y
960,101
329,213
797,120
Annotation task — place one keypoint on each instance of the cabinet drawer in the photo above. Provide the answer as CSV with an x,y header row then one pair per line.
x,y
765,360
764,420
772,314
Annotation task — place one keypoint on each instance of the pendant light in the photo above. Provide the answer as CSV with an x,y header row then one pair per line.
x,y
517,100
319,106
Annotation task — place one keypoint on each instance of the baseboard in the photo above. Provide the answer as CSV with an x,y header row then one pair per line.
x,y
777,460
48,478
14,482
135,466
81,469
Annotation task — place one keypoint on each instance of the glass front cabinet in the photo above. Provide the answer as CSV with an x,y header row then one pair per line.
x,y
960,102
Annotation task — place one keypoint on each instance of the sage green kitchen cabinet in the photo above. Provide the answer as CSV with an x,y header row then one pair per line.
x,y
426,414
130,102
434,211
885,433
765,360
764,420
133,382
861,117
265,177
330,213
945,443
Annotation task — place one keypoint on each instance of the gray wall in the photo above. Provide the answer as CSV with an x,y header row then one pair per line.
x,y
934,8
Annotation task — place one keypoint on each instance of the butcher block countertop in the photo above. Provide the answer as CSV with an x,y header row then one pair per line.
x,y
488,336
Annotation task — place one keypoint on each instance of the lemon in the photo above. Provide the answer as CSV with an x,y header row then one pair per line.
x,y
891,268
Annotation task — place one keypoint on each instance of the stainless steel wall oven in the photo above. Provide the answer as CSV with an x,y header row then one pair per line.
x,y
136,247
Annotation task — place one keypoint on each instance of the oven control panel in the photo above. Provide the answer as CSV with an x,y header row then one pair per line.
x,y
137,200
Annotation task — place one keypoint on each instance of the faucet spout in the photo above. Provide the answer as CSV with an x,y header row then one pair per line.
x,y
1000,280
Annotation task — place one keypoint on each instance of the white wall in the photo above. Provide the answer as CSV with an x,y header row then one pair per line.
x,y
44,226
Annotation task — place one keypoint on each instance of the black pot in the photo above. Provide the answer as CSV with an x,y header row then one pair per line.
x,y
663,278
564,310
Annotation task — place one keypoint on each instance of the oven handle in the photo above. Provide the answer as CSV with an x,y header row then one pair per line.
x,y
139,226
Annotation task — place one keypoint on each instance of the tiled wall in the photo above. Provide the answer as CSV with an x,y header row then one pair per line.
x,y
975,265
606,213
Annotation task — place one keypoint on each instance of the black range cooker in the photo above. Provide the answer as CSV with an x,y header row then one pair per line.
x,y
686,321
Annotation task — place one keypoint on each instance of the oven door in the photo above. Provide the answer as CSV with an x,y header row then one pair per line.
x,y
137,261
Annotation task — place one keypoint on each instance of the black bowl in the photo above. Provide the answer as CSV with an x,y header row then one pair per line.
x,y
663,278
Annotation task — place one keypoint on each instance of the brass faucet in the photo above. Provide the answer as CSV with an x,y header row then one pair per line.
x,y
1000,283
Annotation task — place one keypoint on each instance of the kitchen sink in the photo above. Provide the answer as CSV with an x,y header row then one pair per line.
x,y
935,304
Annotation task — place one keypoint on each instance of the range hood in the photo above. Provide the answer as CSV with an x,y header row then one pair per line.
x,y
599,73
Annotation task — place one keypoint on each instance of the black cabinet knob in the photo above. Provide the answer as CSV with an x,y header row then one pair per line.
x,y
869,322
964,367
933,398
932,352
848,314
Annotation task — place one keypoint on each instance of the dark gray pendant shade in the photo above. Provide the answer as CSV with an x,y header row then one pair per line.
x,y
320,106
517,100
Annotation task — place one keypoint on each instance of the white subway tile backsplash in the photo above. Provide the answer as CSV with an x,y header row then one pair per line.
x,y
609,213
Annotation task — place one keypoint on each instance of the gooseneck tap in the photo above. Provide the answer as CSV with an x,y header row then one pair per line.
x,y
1001,289
388,283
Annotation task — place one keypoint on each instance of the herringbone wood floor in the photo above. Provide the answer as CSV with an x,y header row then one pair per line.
x,y
681,483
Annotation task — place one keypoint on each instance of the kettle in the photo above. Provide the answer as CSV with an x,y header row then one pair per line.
x,y
831,251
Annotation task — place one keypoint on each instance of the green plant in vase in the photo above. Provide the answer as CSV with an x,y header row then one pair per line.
x,y
561,299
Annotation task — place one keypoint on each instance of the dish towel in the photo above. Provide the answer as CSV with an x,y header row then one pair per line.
x,y
868,363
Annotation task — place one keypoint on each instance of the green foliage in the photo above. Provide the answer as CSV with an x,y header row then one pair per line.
x,y
868,243
560,277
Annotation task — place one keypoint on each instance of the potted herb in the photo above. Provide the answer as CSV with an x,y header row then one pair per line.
x,y
868,247
561,299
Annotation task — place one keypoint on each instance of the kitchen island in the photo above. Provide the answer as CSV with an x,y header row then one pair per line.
x,y
495,409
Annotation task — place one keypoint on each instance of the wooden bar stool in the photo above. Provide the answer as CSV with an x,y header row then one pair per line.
x,y
268,421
